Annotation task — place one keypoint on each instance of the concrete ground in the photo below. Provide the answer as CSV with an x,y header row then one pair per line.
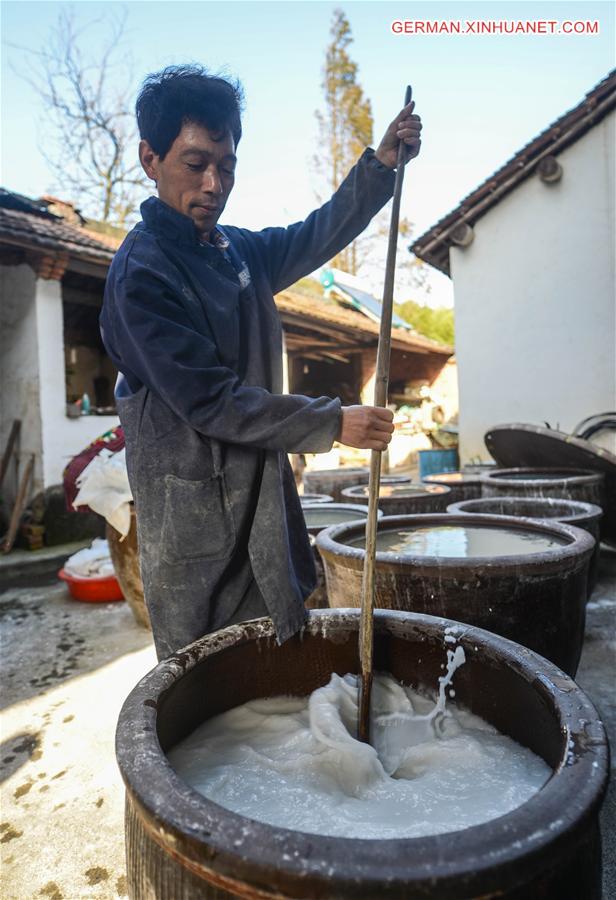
x,y
66,668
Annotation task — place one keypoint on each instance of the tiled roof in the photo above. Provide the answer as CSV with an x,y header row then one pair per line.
x,y
21,203
28,225
42,230
349,320
433,245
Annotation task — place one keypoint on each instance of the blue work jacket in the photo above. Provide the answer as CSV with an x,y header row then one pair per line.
x,y
197,337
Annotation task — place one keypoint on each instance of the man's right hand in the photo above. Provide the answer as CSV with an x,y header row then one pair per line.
x,y
366,427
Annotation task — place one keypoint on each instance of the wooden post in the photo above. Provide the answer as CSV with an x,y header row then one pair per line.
x,y
8,452
366,623
20,505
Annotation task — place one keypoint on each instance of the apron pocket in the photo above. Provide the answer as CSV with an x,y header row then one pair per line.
x,y
197,520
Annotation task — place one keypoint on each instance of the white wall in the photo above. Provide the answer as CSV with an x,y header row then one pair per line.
x,y
535,299
32,380
444,389
62,438
19,381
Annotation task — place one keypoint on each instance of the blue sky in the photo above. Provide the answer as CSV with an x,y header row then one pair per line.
x,y
480,97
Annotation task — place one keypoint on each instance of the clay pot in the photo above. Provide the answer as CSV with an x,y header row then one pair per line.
x,y
563,484
125,558
478,468
179,844
403,499
537,599
319,516
533,445
315,498
332,481
463,485
569,512
390,478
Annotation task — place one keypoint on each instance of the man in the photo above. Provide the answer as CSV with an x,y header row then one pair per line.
x,y
190,321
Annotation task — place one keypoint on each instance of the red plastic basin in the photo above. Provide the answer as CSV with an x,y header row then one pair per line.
x,y
92,590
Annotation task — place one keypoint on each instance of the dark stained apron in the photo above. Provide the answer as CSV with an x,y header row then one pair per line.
x,y
216,522
221,532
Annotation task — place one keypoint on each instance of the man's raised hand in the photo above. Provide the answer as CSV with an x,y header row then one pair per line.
x,y
405,127
366,427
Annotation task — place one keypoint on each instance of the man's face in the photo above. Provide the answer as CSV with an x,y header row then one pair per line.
x,y
196,176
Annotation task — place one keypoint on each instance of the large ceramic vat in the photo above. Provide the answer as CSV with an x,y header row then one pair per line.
x,y
563,484
463,485
315,498
391,478
182,846
534,445
333,481
537,599
317,517
478,468
402,499
569,512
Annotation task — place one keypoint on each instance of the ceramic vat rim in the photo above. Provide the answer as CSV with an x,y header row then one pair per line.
x,y
438,490
465,478
342,469
316,529
396,478
503,477
577,551
568,800
327,498
588,512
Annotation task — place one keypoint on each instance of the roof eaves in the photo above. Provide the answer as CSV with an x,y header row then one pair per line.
x,y
20,203
351,321
33,232
54,246
433,246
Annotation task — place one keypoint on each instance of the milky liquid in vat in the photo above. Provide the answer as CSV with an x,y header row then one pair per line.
x,y
324,517
294,762
461,541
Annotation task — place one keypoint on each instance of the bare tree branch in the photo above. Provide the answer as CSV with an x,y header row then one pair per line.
x,y
88,134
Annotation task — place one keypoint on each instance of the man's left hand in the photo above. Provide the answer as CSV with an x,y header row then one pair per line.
x,y
405,127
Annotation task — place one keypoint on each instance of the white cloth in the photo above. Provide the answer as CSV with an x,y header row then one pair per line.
x,y
92,562
103,486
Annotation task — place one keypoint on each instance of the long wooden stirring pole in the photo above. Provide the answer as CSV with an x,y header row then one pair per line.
x,y
366,622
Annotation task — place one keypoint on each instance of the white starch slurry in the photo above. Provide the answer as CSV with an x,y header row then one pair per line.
x,y
294,762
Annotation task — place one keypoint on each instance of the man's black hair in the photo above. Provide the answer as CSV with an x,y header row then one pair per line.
x,y
180,94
